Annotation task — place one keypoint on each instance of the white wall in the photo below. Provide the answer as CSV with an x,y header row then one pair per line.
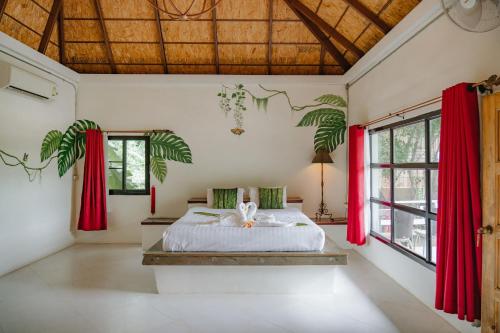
x,y
440,56
272,151
35,217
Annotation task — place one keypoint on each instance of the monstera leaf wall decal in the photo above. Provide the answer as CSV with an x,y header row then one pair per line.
x,y
72,144
330,121
69,147
166,146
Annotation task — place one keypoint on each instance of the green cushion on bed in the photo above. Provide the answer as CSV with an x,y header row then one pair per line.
x,y
271,197
225,198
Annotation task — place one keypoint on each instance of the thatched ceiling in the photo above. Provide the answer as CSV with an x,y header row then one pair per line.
x,y
237,37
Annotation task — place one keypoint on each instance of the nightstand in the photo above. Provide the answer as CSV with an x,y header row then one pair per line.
x,y
335,230
153,228
327,221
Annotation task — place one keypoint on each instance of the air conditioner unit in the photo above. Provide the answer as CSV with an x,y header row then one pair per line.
x,y
12,77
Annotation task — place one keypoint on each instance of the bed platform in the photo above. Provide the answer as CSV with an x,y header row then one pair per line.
x,y
245,272
330,255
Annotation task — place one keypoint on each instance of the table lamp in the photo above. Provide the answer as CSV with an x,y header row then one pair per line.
x,y
322,156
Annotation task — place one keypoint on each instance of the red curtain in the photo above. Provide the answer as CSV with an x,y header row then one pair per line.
x,y
93,203
355,203
458,268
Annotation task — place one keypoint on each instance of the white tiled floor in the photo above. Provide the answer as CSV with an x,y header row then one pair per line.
x,y
104,288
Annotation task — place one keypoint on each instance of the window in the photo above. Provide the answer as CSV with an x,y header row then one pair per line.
x,y
128,163
404,173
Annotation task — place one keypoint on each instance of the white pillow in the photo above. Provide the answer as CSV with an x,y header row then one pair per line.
x,y
254,195
210,196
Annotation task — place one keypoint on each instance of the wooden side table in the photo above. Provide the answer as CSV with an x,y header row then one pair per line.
x,y
159,220
327,221
153,228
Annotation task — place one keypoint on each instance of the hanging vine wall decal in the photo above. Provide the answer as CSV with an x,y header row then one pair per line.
x,y
329,117
32,172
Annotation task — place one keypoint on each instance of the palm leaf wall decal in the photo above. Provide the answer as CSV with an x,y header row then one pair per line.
x,y
72,146
331,125
333,100
50,144
159,168
329,135
316,117
170,146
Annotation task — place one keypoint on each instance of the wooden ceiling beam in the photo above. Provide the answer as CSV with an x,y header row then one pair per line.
x,y
60,36
111,60
49,26
322,37
322,61
297,6
200,64
322,49
270,38
3,4
160,35
216,38
369,15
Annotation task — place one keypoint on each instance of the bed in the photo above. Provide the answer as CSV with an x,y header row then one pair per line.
x,y
193,257
195,231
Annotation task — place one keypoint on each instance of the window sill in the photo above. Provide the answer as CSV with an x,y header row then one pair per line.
x,y
404,252
129,193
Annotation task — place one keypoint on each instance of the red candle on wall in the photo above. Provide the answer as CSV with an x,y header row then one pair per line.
x,y
153,199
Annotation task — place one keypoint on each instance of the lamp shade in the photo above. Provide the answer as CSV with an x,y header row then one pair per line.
x,y
322,156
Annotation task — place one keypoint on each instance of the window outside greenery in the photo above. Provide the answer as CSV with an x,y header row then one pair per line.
x,y
128,164
404,173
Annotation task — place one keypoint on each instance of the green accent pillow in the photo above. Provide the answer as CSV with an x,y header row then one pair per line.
x,y
225,198
271,197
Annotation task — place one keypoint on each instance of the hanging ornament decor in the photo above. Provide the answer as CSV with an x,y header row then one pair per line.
x,y
326,113
175,9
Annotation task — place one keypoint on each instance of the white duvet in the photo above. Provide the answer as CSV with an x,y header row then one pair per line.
x,y
194,232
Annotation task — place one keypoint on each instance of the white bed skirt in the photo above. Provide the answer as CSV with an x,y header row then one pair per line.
x,y
185,279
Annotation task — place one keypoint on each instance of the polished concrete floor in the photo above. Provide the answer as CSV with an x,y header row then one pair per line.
x,y
104,288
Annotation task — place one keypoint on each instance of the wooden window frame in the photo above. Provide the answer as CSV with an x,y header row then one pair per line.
x,y
427,166
124,191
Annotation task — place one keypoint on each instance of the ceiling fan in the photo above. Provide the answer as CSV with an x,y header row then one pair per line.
x,y
473,15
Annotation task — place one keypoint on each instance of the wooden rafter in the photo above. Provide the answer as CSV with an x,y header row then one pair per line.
x,y
199,46
322,49
49,26
270,38
189,43
317,21
60,30
322,61
111,61
3,4
320,35
163,53
216,38
369,15
207,64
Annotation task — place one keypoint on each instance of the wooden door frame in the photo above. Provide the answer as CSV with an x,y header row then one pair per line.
x,y
490,158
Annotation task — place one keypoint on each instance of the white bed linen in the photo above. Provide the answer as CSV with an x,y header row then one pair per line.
x,y
193,232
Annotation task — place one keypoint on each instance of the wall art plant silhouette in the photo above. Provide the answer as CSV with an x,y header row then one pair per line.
x,y
328,114
68,147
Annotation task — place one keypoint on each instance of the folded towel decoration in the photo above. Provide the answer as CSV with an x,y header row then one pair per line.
x,y
246,216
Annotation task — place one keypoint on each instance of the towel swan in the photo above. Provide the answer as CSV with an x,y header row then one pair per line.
x,y
246,216
250,210
242,218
